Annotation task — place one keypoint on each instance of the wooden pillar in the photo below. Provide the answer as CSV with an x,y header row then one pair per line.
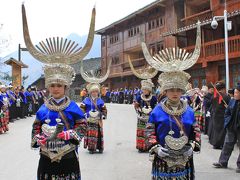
x,y
16,71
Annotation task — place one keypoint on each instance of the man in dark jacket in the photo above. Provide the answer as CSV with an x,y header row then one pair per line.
x,y
232,125
207,105
216,127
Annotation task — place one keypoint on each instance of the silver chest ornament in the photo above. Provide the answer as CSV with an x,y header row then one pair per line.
x,y
146,110
93,117
93,114
176,148
55,148
47,129
51,132
5,100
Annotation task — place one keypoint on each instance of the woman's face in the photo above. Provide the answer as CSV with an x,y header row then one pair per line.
x,y
146,92
57,90
94,93
174,94
3,89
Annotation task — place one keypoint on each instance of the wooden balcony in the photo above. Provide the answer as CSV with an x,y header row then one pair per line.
x,y
215,50
202,16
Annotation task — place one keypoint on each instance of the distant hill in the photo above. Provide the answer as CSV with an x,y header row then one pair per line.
x,y
35,67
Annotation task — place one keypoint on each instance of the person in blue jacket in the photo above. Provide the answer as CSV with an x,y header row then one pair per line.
x,y
4,109
95,112
232,126
172,131
144,104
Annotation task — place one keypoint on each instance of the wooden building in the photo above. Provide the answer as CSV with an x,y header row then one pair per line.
x,y
169,23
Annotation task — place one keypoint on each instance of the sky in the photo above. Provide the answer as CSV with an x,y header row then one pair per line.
x,y
52,18
48,18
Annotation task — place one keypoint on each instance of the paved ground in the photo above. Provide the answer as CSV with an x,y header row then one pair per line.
x,y
120,161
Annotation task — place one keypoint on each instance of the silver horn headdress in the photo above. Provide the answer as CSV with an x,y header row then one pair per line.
x,y
58,53
172,62
94,78
174,59
146,74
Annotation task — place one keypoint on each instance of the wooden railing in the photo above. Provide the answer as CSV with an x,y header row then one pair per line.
x,y
202,16
215,50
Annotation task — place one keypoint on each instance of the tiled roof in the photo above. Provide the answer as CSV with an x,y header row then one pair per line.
x,y
12,60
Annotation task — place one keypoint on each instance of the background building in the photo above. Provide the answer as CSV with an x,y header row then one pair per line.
x,y
169,23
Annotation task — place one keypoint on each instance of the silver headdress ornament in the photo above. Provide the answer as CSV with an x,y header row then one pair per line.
x,y
146,74
172,62
147,85
94,78
58,53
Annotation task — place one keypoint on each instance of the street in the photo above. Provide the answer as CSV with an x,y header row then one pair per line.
x,y
120,160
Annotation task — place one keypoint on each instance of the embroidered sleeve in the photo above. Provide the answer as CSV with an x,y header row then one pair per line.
x,y
36,130
79,130
195,137
150,132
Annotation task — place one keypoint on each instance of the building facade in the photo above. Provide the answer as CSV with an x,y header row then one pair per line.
x,y
170,23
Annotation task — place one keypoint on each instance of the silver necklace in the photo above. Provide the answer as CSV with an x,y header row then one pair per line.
x,y
177,112
50,105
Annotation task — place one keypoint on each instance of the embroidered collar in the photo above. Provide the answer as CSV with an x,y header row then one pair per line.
x,y
168,109
146,99
54,107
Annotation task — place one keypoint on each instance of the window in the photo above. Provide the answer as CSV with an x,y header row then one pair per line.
x,y
152,49
160,46
133,31
161,21
155,23
113,39
156,47
115,60
149,26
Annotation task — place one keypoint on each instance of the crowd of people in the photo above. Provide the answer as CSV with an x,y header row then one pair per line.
x,y
169,120
119,96
18,103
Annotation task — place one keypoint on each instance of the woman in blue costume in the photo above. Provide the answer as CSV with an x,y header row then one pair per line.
x,y
58,129
60,124
144,104
4,112
172,129
95,109
95,112
29,96
174,132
